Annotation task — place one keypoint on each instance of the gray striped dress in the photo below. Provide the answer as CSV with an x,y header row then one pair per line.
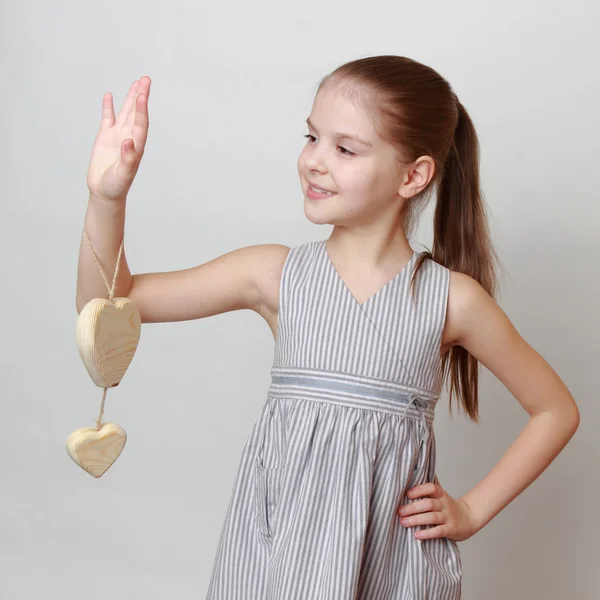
x,y
346,430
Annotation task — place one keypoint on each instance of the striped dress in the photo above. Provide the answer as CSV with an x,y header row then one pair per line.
x,y
346,430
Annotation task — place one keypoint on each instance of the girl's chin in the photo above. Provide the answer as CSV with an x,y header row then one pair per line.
x,y
318,217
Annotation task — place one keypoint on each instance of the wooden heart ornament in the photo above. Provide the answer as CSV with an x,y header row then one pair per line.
x,y
107,338
96,450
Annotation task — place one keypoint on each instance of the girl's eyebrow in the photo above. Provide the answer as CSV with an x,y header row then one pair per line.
x,y
349,136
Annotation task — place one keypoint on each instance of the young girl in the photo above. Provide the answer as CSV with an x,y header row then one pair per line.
x,y
336,496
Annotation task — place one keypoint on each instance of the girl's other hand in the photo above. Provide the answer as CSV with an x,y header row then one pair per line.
x,y
452,518
119,144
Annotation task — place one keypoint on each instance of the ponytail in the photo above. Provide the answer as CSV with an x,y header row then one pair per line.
x,y
461,242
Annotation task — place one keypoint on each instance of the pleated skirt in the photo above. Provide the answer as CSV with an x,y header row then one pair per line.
x,y
313,510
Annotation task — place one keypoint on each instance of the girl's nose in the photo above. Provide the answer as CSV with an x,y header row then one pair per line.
x,y
316,163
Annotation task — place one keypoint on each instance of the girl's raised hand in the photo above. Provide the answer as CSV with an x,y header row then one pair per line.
x,y
119,144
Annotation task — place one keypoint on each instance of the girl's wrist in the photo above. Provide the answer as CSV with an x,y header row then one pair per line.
x,y
478,521
108,205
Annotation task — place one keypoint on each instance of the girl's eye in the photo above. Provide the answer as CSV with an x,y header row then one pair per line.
x,y
344,151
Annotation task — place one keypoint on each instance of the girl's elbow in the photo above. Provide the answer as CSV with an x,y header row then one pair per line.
x,y
575,419
569,420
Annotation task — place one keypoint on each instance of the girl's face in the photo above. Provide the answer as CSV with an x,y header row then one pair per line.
x,y
345,156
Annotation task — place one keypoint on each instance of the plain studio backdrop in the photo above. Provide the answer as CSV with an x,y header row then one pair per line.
x,y
232,87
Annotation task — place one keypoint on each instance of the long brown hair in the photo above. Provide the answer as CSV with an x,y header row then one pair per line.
x,y
415,109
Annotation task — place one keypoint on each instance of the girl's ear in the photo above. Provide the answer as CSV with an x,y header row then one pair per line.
x,y
416,178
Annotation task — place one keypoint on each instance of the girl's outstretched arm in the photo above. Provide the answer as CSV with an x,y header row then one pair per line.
x,y
478,324
244,278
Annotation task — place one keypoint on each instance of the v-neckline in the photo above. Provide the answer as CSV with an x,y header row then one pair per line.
x,y
376,293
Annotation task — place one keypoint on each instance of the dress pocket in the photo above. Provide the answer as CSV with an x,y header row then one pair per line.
x,y
262,497
268,467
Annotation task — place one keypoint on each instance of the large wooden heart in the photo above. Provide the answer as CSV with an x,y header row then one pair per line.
x,y
96,450
107,338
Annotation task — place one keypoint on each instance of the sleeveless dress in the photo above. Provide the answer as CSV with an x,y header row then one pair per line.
x,y
346,430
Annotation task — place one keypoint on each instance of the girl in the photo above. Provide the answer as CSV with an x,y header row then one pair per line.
x,y
336,496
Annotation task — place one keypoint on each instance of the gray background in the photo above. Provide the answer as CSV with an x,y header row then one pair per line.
x,y
232,86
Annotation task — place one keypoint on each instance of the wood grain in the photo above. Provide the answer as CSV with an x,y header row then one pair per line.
x,y
96,450
107,338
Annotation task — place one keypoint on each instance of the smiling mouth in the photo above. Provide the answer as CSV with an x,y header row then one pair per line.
x,y
317,190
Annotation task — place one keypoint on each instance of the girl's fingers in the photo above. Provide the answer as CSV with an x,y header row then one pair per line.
x,y
108,111
425,489
419,506
428,518
127,104
129,159
143,89
140,125
431,532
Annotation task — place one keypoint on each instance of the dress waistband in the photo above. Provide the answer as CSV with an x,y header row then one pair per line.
x,y
354,391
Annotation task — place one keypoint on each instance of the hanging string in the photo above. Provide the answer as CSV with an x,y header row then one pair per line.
x,y
111,292
111,289
99,419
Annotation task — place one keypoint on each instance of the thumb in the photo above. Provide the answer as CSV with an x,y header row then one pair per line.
x,y
128,149
128,154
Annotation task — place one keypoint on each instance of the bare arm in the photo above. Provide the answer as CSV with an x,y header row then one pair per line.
x,y
487,333
244,278
114,162
476,323
104,223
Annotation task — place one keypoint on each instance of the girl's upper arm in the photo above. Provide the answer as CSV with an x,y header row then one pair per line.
x,y
243,278
479,325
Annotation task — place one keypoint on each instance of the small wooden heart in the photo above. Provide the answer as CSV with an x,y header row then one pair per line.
x,y
107,338
96,450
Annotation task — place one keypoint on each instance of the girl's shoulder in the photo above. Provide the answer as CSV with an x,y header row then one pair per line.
x,y
268,270
470,309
